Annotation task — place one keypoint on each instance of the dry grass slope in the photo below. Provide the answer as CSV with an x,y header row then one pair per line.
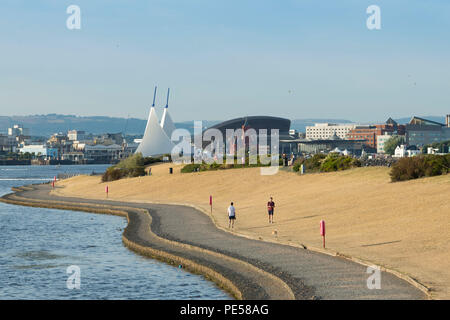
x,y
404,226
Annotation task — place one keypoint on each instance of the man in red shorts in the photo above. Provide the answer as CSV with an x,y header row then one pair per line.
x,y
270,209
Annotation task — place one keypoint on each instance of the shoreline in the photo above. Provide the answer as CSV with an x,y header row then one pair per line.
x,y
238,287
129,240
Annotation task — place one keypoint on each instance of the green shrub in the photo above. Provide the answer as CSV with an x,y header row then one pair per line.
x,y
336,162
113,174
133,166
311,164
420,166
192,167
326,163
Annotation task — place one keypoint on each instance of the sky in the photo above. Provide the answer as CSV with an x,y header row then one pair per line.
x,y
226,58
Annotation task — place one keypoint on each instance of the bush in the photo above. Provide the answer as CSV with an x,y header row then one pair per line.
x,y
336,162
420,166
193,167
326,163
311,164
133,166
113,174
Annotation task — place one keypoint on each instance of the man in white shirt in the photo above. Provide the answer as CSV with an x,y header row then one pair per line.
x,y
231,215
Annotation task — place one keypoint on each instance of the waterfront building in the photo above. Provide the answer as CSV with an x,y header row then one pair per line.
x,y
102,153
40,151
61,142
4,143
18,130
74,156
76,135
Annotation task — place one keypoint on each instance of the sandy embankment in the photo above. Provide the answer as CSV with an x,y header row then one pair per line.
x,y
403,226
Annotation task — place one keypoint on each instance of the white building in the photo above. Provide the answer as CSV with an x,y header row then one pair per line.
x,y
41,151
18,130
76,135
401,151
326,130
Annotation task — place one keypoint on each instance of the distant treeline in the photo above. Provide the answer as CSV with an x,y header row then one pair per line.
x,y
46,125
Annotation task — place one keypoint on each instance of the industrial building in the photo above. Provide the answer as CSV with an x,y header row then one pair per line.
x,y
420,132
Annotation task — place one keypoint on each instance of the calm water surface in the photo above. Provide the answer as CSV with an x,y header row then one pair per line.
x,y
38,245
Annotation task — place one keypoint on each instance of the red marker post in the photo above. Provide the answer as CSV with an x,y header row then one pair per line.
x,y
107,190
210,202
322,231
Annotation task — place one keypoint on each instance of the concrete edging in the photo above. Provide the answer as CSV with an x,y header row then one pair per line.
x,y
191,266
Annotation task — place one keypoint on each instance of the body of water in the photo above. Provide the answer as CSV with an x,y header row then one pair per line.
x,y
37,246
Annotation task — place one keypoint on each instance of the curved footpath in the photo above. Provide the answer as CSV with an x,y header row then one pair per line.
x,y
247,269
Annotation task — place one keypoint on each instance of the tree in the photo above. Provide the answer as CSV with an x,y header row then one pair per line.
x,y
392,143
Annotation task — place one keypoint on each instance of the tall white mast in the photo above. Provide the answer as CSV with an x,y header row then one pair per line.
x,y
166,123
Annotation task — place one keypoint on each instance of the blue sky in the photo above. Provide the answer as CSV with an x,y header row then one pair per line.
x,y
224,59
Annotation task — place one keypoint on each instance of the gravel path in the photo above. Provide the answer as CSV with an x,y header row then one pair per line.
x,y
308,275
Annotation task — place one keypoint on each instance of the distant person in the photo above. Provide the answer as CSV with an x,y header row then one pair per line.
x,y
231,215
270,209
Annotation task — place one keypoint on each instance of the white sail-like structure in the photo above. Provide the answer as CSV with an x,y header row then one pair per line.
x,y
166,121
155,141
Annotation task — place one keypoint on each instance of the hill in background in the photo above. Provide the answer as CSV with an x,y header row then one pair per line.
x,y
46,125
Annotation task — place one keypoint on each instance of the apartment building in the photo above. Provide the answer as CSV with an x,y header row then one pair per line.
x,y
322,131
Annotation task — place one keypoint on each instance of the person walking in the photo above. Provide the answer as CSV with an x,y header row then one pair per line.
x,y
270,209
231,215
